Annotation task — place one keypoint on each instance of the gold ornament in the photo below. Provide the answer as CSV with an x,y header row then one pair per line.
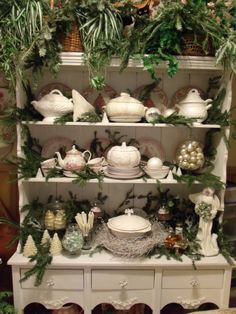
x,y
190,155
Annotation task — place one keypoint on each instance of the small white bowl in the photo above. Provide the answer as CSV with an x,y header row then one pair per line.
x,y
159,173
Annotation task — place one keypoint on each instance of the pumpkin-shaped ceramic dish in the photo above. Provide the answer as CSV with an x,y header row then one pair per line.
x,y
123,156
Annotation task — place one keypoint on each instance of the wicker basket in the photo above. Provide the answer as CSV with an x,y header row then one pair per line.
x,y
72,41
191,48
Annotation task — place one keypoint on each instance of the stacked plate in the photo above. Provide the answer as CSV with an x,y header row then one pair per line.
x,y
123,173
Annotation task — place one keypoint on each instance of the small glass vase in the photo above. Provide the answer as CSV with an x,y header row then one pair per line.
x,y
73,241
87,245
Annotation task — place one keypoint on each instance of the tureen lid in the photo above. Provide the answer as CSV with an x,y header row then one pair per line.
x,y
124,98
128,222
124,148
192,96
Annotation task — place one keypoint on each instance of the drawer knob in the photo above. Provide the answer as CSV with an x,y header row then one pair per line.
x,y
123,283
194,282
50,283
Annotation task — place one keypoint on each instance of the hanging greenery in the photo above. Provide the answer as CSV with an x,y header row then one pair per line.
x,y
41,259
174,119
87,174
206,179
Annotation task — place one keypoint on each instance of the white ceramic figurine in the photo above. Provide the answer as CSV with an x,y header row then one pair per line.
x,y
206,206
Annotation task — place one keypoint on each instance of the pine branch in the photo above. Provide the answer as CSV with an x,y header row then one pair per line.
x,y
42,259
87,174
174,119
207,179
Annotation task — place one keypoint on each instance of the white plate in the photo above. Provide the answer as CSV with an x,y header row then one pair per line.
x,y
99,98
157,98
69,174
54,144
115,176
150,147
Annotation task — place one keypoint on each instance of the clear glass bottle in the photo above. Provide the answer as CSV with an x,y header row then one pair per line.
x,y
73,241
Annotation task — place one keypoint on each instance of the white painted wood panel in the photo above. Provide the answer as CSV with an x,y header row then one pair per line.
x,y
57,279
198,279
122,279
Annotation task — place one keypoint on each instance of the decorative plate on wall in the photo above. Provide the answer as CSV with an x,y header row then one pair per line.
x,y
54,144
66,90
150,147
99,98
158,98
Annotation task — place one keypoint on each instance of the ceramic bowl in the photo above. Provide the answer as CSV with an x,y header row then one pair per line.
x,y
129,225
158,173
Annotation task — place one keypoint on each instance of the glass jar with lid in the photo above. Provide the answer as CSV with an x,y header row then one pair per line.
x,y
55,216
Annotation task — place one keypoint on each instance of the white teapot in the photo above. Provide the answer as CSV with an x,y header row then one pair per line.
x,y
53,105
123,156
193,106
74,159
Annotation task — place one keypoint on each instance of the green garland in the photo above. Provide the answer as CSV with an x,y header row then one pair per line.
x,y
173,119
91,116
207,179
87,174
42,259
5,306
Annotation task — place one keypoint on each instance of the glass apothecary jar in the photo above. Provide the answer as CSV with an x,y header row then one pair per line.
x,y
55,216
72,241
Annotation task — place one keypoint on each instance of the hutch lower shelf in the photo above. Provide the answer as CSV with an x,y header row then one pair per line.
x,y
104,278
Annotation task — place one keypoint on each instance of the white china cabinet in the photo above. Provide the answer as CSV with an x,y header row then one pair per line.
x,y
104,278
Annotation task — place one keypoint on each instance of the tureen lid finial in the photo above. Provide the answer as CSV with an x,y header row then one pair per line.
x,y
129,211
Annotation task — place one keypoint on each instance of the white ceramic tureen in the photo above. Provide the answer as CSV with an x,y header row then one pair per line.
x,y
53,105
193,106
129,225
74,159
123,156
125,109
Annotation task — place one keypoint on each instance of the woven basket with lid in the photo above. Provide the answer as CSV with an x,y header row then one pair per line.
x,y
192,48
72,41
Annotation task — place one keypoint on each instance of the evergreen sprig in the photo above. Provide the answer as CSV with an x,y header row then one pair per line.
x,y
41,259
86,175
225,246
173,119
66,117
207,179
54,173
90,116
5,306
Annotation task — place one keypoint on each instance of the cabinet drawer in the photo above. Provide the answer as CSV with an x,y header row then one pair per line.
x,y
192,279
57,279
122,279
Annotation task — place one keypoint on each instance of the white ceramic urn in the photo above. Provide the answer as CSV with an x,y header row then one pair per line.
x,y
53,105
193,106
125,109
123,156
